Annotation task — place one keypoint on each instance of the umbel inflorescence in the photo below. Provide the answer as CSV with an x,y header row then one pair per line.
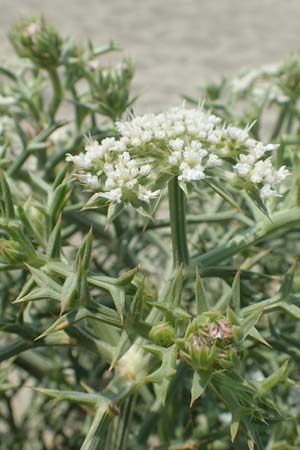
x,y
191,144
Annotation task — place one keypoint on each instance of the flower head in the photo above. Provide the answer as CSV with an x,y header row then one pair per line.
x,y
190,144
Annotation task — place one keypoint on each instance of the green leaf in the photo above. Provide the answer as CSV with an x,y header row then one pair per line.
x,y
199,384
39,294
255,197
201,297
219,189
236,293
287,283
248,323
174,294
100,313
117,293
6,197
44,280
54,243
273,380
255,334
68,292
80,398
83,256
164,373
57,202
234,427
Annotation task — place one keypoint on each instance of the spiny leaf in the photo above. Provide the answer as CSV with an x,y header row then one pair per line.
x,y
219,189
83,256
165,372
201,297
234,427
68,292
174,294
277,377
80,398
38,294
6,197
101,314
54,243
288,279
44,280
199,384
248,323
236,292
255,334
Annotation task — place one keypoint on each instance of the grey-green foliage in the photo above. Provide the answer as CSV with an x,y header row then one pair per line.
x,y
121,350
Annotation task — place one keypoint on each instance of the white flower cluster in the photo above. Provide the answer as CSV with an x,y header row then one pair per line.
x,y
123,176
187,143
186,136
256,171
263,83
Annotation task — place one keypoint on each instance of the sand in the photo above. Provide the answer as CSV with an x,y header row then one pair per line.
x,y
176,45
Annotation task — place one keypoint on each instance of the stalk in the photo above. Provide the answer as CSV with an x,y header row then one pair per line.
x,y
98,429
280,120
279,222
57,92
177,222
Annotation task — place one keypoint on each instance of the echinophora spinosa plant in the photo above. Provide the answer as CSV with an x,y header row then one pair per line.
x,y
149,282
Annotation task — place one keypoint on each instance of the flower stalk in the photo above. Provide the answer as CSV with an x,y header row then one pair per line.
x,y
57,92
178,223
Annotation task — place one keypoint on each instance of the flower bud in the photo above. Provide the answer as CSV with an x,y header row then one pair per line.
x,y
12,252
202,356
39,42
162,334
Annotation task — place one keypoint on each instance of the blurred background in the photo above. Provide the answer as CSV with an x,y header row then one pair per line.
x,y
176,45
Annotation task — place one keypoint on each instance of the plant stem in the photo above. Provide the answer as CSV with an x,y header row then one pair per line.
x,y
279,222
177,222
57,93
98,429
280,120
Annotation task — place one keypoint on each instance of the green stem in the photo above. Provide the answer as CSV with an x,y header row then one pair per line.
x,y
280,221
18,163
280,120
57,93
98,429
178,225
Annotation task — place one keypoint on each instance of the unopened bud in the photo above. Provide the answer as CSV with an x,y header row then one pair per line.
x,y
162,334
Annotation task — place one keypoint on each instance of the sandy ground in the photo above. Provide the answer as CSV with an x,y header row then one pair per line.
x,y
176,45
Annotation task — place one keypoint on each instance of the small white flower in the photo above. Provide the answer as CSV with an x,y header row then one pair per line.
x,y
115,195
89,180
271,147
213,161
159,134
145,195
131,183
174,158
136,142
95,150
176,144
145,170
213,139
242,169
191,174
267,192
82,161
237,134
281,174
147,136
